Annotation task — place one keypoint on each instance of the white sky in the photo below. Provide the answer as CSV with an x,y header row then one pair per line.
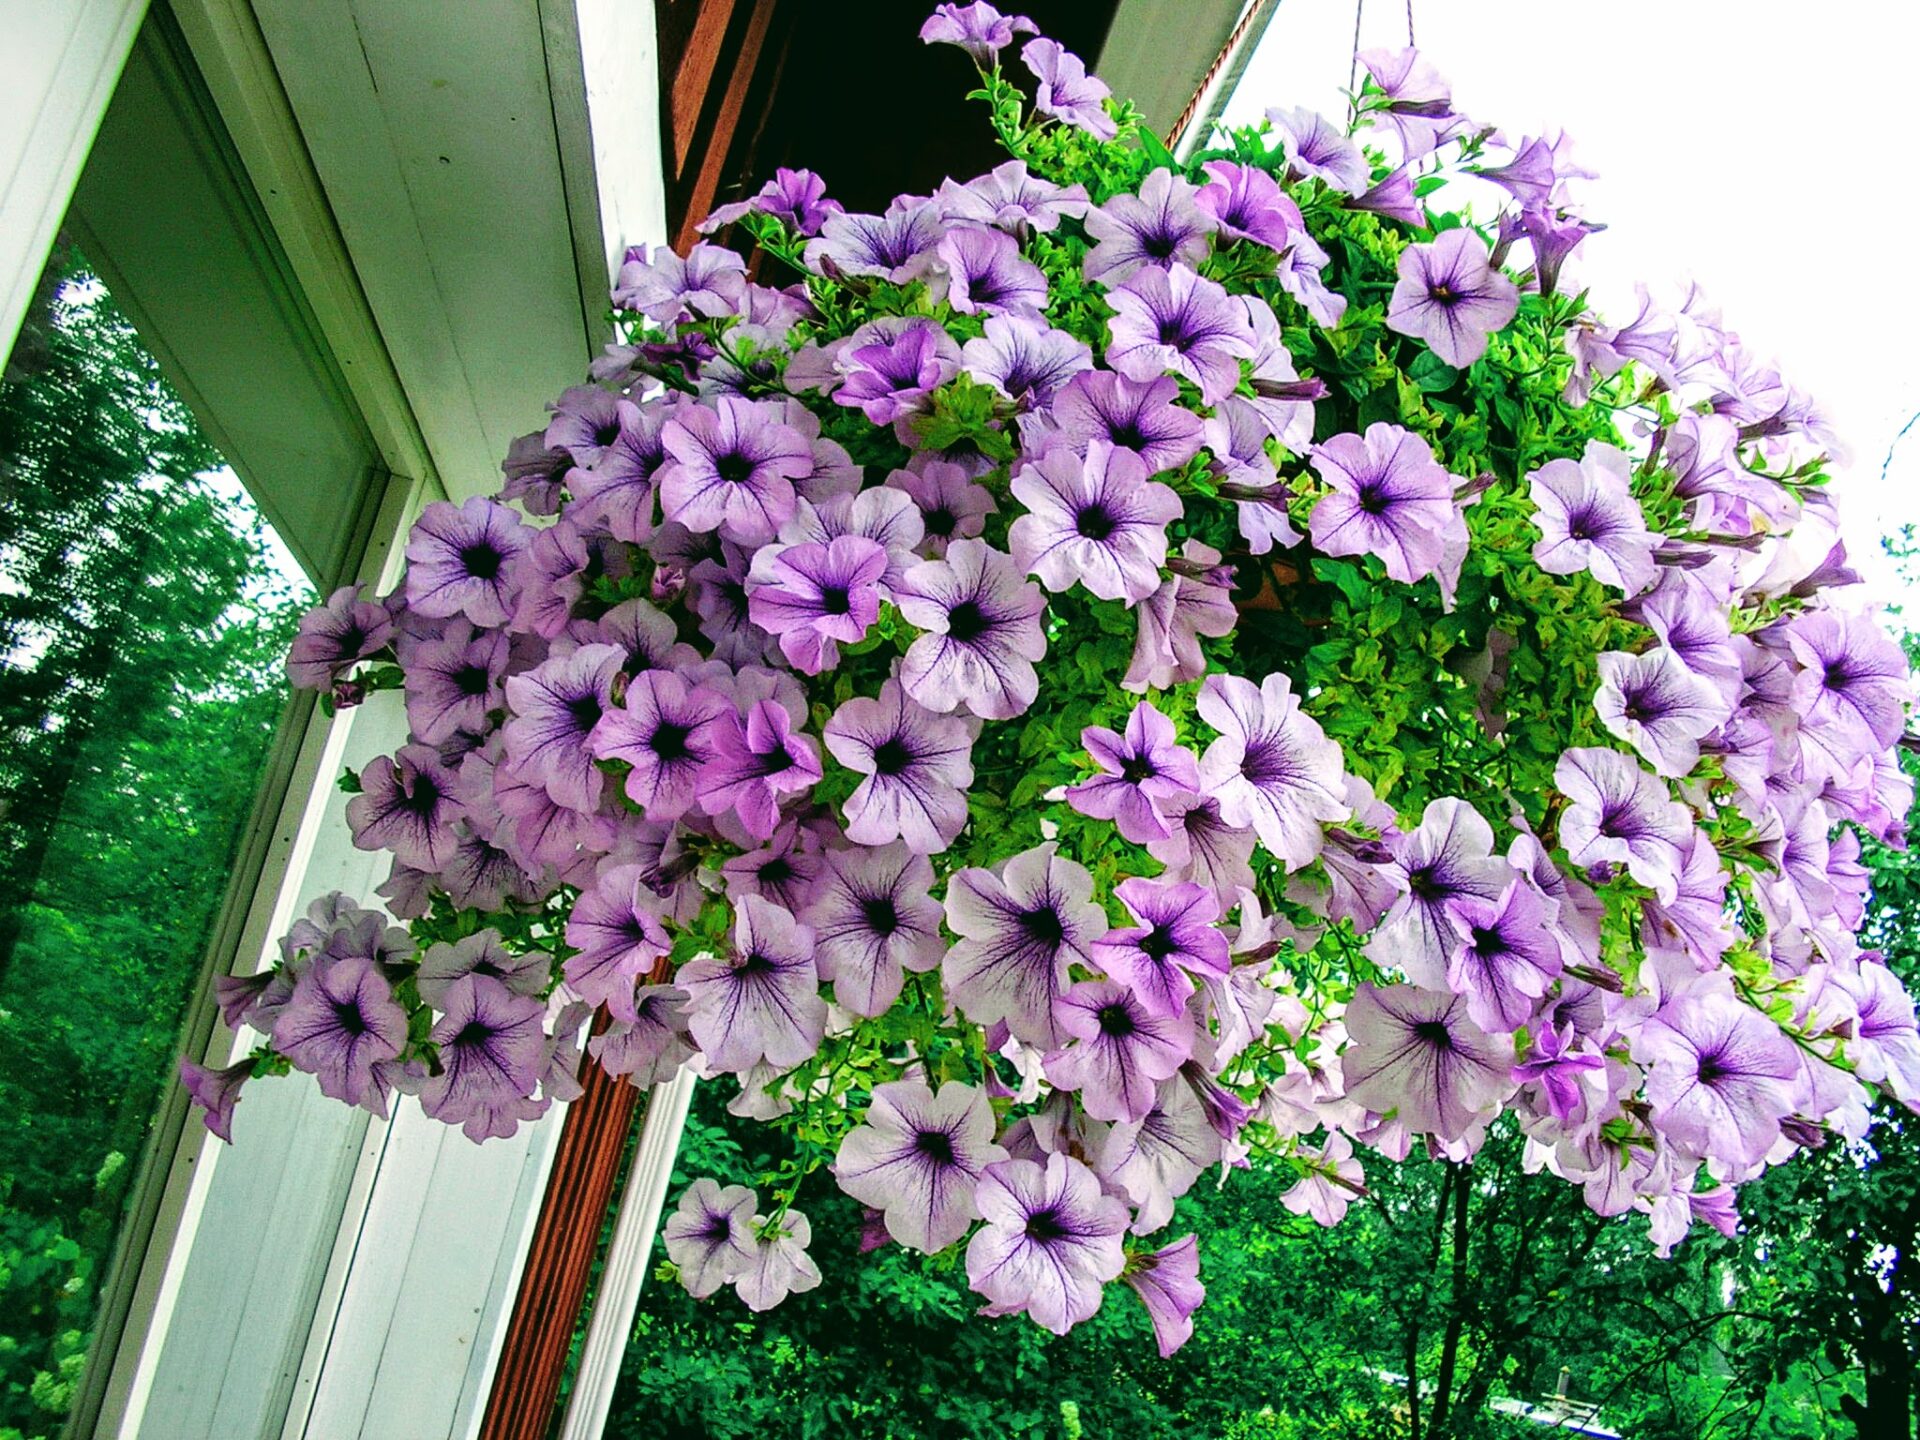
x,y
1753,146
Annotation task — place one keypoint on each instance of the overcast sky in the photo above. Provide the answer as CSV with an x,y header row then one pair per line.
x,y
1754,146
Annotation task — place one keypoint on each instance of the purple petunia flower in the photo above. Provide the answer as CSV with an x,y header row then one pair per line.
x,y
465,561
1418,102
1332,1180
917,1157
1247,204
335,636
732,468
650,1048
1025,359
492,1052
873,917
1096,521
1067,92
979,29
983,633
813,596
757,760
1388,497
1118,1051
952,506
1417,1055
482,953
585,421
1173,320
667,733
1156,1160
1660,707
407,804
762,1002
1588,519
1196,600
1167,1281
618,490
453,681
1161,226
1139,772
556,706
891,369
1450,856
1450,297
216,1092
615,926
1320,150
1051,1241
1236,435
1204,848
1280,397
1010,199
784,870
1504,955
1556,1061
797,198
1273,768
917,765
896,247
535,474
982,271
1019,930
1620,814
1143,417
778,1263
1395,197
340,1024
1177,938
709,280
1853,680
709,1236
1720,1076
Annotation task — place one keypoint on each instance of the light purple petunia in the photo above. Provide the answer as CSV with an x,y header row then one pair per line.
x,y
1418,101
1853,679
1024,358
618,491
408,803
797,198
1503,957
784,870
1160,226
1139,771
709,1236
1397,197
1117,1051
1010,199
1588,519
1246,203
1067,92
1660,707
814,596
650,1048
762,1002
216,1092
731,467
917,765
709,280
1019,931
1318,149
1388,497
1173,320
1156,1160
1140,416
334,636
778,1264
1204,848
952,505
1051,1241
1167,1281
917,1157
482,953
757,760
1619,814
1886,1044
1331,1182
874,916
492,1053
1720,1076
453,680
667,733
1273,768
1686,619
1196,600
896,246
1236,435
556,706
1557,1059
1449,856
1417,1055
981,271
982,634
466,561
1177,938
585,421
1096,521
1450,297
616,928
979,29
891,368
886,516
341,1023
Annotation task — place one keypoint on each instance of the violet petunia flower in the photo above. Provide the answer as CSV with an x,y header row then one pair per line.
x,y
762,1002
1236,436
731,467
407,804
492,1051
667,732
917,1157
616,929
454,680
1139,770
952,505
1025,359
709,1236
1720,1076
650,1048
1160,226
1555,1061
814,596
1097,521
1051,1241
216,1092
1450,297
1885,1047
778,1263
1395,197
1503,956
1332,1181
1156,1160
884,515
982,633
1118,1050
979,29
784,870
1248,204
708,280
1387,497
466,561
1588,519
1167,1281
917,766
1418,101
1273,768
797,198
874,917
1448,857
341,1023
981,271
1067,92
618,490
482,953
1620,814
1010,199
335,636
896,247
1853,678
1204,848
1318,149
756,761
585,420
1196,600
1417,1055
555,707
1660,707
1173,320
1177,938
891,369
1019,932
1143,417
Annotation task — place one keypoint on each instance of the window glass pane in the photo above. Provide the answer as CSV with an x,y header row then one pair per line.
x,y
144,609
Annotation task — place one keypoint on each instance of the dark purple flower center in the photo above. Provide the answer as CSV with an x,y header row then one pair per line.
x,y
1434,1033
422,798
1045,1227
834,600
669,741
1042,926
480,560
1637,708
1127,434
935,1145
1264,763
1836,676
1488,942
352,640
1424,884
1159,244
585,710
1138,768
718,1228
633,930
756,964
881,915
733,467
776,871
1711,1069
941,522
1582,524
1116,1021
347,1016
606,432
1444,294
891,756
1095,523
1158,943
474,1035
472,680
1373,498
967,622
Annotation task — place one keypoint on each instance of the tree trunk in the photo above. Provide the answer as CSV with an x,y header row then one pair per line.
x,y
1456,1307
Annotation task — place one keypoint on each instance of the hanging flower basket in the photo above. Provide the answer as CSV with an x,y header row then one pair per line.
x,y
1120,667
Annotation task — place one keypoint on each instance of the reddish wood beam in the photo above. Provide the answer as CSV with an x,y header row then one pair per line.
x,y
726,123
693,76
